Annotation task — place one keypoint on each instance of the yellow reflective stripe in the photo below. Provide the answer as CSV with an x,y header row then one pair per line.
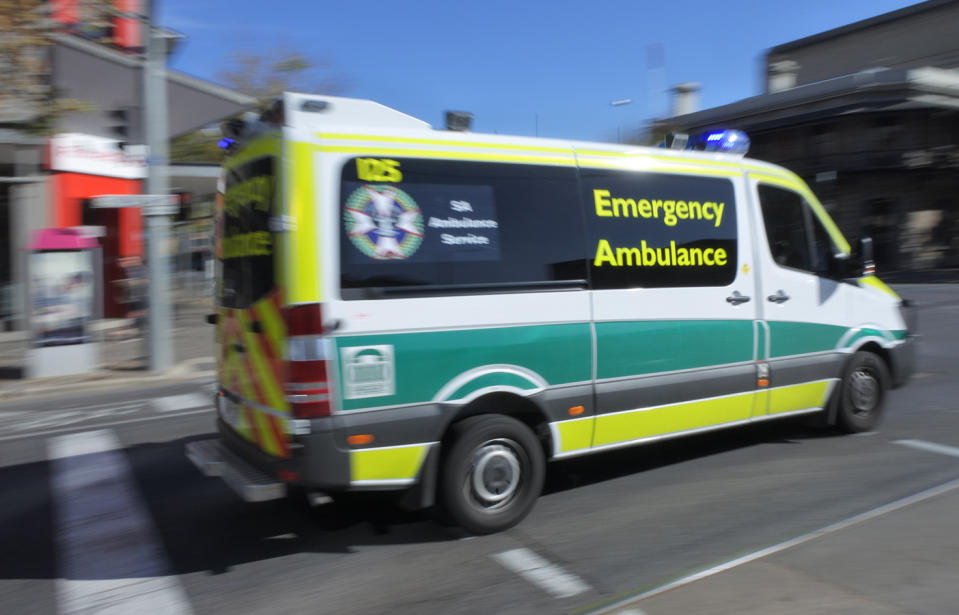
x,y
661,165
771,172
625,426
266,145
264,373
444,143
249,392
273,325
762,402
873,281
392,463
229,370
575,435
798,397
267,439
235,373
306,286
732,166
796,184
445,154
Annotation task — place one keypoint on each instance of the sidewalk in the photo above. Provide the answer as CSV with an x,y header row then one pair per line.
x,y
123,362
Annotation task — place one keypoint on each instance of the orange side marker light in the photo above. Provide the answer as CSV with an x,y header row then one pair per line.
x,y
762,382
359,439
576,410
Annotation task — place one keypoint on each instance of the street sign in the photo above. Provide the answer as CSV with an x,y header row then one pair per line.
x,y
151,204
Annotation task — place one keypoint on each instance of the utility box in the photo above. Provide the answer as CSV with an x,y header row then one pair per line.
x,y
63,278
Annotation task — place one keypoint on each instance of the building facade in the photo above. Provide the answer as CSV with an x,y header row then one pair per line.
x,y
868,115
50,182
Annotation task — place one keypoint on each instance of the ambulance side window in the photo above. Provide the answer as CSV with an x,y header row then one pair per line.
x,y
796,237
413,227
659,230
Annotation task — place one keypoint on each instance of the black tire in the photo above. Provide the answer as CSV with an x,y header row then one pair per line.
x,y
862,396
492,473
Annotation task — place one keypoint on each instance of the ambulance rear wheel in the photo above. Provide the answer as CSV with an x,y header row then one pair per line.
x,y
862,398
492,473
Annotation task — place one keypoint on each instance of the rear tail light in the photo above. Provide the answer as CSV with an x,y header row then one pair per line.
x,y
304,319
307,386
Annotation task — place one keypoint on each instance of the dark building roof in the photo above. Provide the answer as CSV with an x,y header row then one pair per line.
x,y
865,91
892,16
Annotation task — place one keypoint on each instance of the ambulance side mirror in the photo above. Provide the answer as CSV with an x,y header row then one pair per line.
x,y
233,128
866,255
855,265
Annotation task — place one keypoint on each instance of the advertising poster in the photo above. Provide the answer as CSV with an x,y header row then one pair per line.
x,y
61,297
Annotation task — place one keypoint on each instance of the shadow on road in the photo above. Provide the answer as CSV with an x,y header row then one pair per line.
x,y
26,523
204,527
596,468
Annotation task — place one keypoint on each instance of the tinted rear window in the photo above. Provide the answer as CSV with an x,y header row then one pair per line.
x,y
245,244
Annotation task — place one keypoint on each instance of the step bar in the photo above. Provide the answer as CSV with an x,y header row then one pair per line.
x,y
251,484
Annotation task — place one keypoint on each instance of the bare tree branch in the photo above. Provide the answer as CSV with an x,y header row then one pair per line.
x,y
267,76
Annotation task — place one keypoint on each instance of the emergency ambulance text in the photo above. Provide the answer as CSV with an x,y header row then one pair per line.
x,y
672,211
258,243
644,256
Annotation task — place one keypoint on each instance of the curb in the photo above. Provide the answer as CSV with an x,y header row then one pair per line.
x,y
102,380
101,326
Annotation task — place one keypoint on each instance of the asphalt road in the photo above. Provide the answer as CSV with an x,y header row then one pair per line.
x,y
609,530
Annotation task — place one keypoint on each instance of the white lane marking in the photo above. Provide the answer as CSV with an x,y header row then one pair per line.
x,y
540,572
50,432
173,403
932,447
110,558
756,555
61,418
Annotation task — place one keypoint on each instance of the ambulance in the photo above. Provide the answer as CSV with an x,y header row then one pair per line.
x,y
439,313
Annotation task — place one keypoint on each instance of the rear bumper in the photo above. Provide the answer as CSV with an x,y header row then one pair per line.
x,y
250,483
321,459
315,461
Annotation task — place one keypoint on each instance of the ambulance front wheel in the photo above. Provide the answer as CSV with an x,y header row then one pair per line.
x,y
492,473
862,397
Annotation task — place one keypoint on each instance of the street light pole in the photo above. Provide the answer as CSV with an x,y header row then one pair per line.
x,y
619,103
160,345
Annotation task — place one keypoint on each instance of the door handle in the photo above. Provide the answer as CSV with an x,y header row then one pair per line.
x,y
736,298
779,297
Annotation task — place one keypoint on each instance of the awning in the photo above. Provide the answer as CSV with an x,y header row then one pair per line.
x,y
110,80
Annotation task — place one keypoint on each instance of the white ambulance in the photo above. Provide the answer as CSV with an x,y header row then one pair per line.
x,y
439,313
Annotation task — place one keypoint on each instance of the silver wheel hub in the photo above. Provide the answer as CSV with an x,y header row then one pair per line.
x,y
495,474
864,389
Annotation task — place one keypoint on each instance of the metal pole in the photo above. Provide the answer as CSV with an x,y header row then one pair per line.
x,y
160,346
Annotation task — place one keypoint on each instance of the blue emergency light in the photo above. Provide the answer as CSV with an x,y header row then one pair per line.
x,y
726,141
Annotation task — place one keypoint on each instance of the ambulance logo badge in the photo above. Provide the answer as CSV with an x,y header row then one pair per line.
x,y
368,371
383,222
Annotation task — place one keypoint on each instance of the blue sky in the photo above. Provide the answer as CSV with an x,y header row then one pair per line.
x,y
521,67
